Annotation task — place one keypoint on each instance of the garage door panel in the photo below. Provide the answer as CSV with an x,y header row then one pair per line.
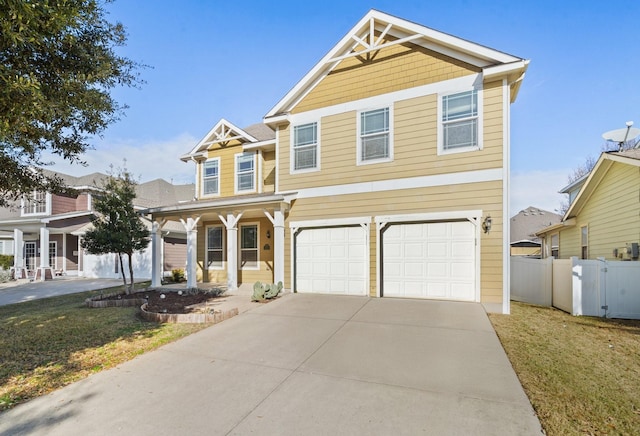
x,y
331,260
430,260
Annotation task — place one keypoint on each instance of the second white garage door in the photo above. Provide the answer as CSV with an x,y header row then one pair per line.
x,y
331,260
430,260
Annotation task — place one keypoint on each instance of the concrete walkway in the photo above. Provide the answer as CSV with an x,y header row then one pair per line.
x,y
304,365
24,290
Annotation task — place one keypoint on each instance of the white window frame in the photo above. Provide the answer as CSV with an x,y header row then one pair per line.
x,y
241,226
479,117
359,136
237,174
26,202
53,260
203,178
292,149
30,252
584,241
222,249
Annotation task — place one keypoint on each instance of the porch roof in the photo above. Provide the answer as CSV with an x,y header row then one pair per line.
x,y
243,202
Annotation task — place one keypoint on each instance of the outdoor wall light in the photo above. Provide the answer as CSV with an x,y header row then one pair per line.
x,y
268,234
486,225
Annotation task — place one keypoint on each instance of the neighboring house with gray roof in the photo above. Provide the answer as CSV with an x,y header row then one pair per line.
x,y
603,219
524,226
43,222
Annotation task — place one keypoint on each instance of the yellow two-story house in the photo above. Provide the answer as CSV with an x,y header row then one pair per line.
x,y
384,172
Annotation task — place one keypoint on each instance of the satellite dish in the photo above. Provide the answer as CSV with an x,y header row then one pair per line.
x,y
623,135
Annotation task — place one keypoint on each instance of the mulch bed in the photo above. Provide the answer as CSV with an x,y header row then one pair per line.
x,y
172,302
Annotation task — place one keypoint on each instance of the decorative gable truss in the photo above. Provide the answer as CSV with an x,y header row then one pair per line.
x,y
378,31
223,133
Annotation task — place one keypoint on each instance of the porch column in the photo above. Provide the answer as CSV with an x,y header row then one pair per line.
x,y
80,257
192,249
278,244
156,253
44,272
231,223
18,254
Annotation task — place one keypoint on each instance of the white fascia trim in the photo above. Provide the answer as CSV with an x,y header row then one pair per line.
x,y
504,69
204,143
406,183
506,228
65,216
331,222
268,145
446,86
470,215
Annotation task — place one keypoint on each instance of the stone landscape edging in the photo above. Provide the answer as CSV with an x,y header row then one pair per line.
x,y
187,318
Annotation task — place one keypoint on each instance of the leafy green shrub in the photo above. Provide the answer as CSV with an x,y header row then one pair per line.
x,y
6,261
177,275
265,291
5,275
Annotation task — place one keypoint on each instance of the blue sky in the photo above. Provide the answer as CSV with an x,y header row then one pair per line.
x,y
235,60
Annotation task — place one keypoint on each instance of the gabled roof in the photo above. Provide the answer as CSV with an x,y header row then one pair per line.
x,y
604,163
527,222
224,132
371,34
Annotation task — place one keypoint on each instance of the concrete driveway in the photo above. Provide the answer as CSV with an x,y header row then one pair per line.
x,y
305,365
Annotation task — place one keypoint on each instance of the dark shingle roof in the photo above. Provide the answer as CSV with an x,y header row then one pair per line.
x,y
260,131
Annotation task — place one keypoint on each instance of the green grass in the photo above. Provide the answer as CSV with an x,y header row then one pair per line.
x,y
46,344
582,374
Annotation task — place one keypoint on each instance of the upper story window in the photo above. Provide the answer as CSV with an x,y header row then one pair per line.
x,y
35,203
245,172
374,130
211,177
459,128
305,147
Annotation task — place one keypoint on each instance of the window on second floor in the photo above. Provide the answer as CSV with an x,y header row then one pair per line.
x,y
305,147
211,177
374,130
245,172
35,203
459,128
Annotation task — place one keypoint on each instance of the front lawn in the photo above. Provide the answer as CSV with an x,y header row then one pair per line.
x,y
46,344
582,374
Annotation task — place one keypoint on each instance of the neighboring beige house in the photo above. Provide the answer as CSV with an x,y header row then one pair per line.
x,y
603,220
49,223
383,172
524,225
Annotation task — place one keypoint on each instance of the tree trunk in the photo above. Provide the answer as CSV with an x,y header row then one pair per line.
x,y
131,271
124,277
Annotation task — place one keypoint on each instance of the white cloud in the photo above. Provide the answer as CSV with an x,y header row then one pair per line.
x,y
147,160
538,188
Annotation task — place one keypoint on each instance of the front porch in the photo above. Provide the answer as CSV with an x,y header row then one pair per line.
x,y
237,240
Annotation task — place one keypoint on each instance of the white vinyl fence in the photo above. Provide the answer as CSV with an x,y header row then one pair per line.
x,y
580,287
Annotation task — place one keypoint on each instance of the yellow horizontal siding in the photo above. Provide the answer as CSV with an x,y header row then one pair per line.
x,y
395,68
612,215
264,273
486,196
414,146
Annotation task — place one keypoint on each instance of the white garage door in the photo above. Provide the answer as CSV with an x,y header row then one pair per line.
x,y
430,260
331,260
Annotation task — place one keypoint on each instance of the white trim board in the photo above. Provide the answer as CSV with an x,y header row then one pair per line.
x,y
479,176
471,81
